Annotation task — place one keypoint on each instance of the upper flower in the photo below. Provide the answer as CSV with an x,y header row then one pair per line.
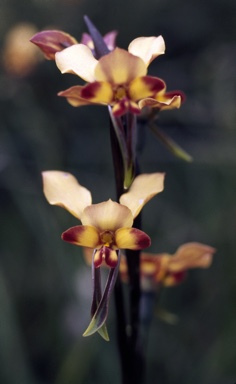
x,y
119,78
106,227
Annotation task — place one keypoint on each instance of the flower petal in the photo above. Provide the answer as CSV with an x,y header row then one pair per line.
x,y
111,257
123,106
52,41
86,39
108,215
147,48
99,317
174,278
84,235
143,188
77,59
61,188
191,255
106,254
145,86
119,67
131,238
73,96
171,103
98,92
164,100
98,258
110,39
97,296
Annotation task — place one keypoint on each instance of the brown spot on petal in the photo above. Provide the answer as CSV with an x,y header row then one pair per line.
x,y
143,240
90,91
154,83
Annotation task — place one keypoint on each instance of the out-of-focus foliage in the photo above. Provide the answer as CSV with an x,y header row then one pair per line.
x,y
45,286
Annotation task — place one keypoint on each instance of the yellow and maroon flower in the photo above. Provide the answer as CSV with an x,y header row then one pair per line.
x,y
107,226
118,79
168,270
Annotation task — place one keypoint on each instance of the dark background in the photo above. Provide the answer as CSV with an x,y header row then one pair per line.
x,y
45,286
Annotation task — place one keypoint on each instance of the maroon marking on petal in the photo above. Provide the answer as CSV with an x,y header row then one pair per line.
x,y
155,84
71,235
89,91
178,276
143,240
98,258
134,109
123,106
109,257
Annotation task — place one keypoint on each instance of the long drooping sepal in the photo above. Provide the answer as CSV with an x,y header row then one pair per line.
x,y
97,296
126,138
100,315
98,41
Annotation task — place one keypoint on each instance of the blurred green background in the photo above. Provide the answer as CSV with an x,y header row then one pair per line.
x,y
45,286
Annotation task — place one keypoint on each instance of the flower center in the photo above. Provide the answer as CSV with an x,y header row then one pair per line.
x,y
120,92
107,238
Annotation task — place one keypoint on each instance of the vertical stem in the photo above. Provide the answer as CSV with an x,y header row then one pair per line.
x,y
131,352
118,292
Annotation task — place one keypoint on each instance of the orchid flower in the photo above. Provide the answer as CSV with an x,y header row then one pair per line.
x,y
106,228
119,78
167,270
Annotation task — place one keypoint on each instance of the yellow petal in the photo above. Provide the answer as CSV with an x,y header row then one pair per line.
x,y
108,215
77,59
131,238
154,265
191,255
61,188
161,102
174,278
98,92
84,235
73,96
145,86
119,67
147,48
98,258
143,188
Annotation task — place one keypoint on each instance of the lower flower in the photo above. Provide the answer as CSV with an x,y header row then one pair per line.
x,y
106,228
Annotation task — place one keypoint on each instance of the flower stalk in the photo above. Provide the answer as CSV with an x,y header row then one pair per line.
x,y
118,79
129,355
